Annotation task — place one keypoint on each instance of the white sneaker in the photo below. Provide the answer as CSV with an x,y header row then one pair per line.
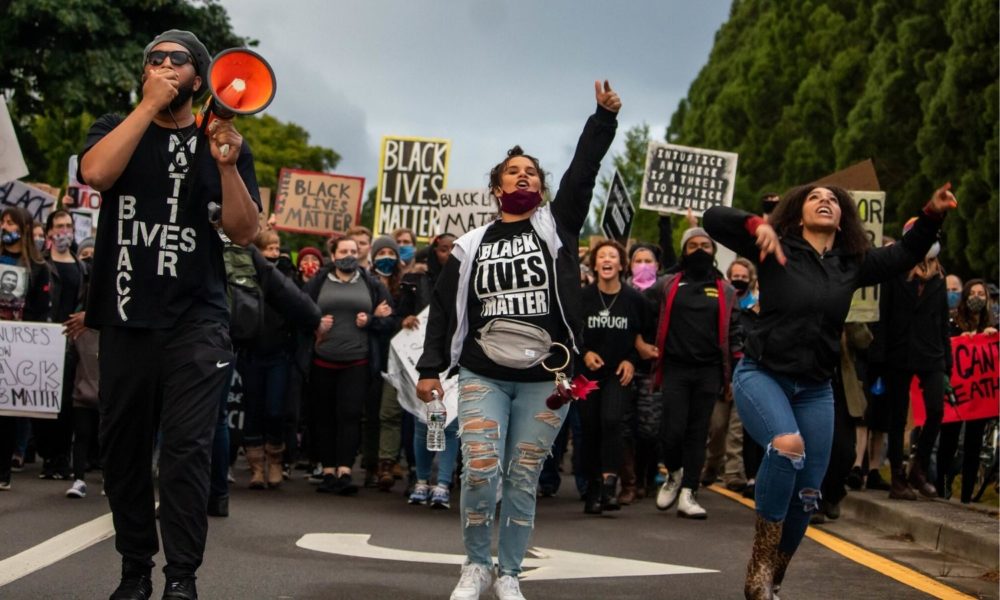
x,y
507,588
688,507
79,490
475,580
667,495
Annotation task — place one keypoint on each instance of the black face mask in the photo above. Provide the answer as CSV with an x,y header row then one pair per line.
x,y
740,285
698,263
348,264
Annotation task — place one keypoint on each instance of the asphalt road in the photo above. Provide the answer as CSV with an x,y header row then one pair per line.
x,y
254,553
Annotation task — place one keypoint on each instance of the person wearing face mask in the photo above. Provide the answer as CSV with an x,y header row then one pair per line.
x,y
41,239
406,242
811,255
913,309
614,316
265,362
973,316
694,308
724,454
67,291
24,296
344,360
508,294
388,269
953,283
307,265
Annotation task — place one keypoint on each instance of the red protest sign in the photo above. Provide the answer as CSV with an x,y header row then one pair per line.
x,y
317,203
974,378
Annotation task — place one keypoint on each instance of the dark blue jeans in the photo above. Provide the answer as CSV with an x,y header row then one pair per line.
x,y
265,383
773,405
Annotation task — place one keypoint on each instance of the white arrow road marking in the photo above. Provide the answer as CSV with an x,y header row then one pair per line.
x,y
547,564
55,549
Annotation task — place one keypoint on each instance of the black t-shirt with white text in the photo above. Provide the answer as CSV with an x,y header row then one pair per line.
x,y
611,335
157,258
512,279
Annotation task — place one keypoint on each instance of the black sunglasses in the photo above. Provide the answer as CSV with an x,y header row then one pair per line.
x,y
177,57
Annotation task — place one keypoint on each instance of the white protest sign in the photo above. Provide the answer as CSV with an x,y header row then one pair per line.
x,y
871,209
462,211
679,178
83,224
17,193
11,161
31,369
404,352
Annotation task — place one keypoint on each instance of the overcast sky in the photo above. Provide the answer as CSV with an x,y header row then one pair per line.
x,y
484,74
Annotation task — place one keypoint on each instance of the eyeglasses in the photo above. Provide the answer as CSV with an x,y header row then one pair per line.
x,y
177,58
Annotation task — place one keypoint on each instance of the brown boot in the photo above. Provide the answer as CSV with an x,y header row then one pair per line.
x,y
627,495
255,458
781,565
385,477
763,558
275,456
900,490
919,480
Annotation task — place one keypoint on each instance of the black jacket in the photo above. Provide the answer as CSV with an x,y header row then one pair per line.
x,y
286,308
55,284
376,325
805,302
570,209
916,333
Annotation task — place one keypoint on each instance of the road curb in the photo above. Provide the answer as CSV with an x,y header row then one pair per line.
x,y
941,526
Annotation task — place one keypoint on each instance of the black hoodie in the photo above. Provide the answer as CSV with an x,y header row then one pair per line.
x,y
805,302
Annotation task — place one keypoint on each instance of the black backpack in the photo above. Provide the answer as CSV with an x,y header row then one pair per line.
x,y
244,293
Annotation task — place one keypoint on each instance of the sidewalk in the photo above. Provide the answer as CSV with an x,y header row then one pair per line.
x,y
972,534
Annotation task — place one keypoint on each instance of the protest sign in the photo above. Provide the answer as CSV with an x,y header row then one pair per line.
x,y
317,203
17,193
618,212
974,378
31,369
464,210
83,225
11,161
404,352
679,178
235,413
412,174
871,209
81,198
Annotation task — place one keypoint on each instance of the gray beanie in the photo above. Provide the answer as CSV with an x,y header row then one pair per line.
x,y
202,59
384,241
85,243
695,232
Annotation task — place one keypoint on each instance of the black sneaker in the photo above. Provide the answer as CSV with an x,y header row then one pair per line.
x,y
133,587
5,483
855,479
875,481
329,485
218,506
180,589
48,470
346,486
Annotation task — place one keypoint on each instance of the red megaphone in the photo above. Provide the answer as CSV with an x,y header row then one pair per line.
x,y
241,83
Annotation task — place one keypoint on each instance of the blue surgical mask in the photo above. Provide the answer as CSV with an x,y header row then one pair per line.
x,y
385,265
954,296
406,253
10,237
747,301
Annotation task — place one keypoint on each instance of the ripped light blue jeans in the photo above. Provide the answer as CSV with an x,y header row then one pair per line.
x,y
507,433
772,405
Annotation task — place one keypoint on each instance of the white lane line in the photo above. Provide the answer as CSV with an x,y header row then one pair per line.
x,y
55,549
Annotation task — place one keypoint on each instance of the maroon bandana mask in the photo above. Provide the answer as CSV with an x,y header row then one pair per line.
x,y
519,202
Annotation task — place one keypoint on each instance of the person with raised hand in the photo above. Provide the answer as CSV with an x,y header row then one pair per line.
x,y
811,255
505,312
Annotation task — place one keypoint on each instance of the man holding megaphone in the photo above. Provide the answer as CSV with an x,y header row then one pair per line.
x,y
158,296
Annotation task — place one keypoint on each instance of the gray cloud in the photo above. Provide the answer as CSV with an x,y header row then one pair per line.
x,y
484,74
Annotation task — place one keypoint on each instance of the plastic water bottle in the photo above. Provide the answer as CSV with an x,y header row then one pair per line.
x,y
436,416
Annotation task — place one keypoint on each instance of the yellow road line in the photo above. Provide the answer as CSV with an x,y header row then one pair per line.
x,y
866,558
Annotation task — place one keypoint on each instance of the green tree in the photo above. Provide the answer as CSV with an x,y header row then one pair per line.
x,y
63,61
803,89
